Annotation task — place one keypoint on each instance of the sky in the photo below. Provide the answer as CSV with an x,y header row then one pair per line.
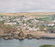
x,y
13,6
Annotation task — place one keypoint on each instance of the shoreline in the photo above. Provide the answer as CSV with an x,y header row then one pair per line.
x,y
22,36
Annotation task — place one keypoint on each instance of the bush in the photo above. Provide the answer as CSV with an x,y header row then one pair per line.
x,y
47,46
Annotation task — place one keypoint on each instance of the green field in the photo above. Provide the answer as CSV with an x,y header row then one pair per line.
x,y
41,15
2,15
47,46
45,18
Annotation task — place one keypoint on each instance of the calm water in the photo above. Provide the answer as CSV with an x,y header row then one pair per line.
x,y
26,42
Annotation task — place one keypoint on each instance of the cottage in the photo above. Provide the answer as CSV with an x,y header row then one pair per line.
x,y
53,21
51,24
45,30
37,29
11,23
1,19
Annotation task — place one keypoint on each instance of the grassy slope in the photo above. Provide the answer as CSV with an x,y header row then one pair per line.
x,y
4,28
47,46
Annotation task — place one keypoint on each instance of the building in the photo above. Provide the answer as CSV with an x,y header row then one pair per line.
x,y
51,24
11,23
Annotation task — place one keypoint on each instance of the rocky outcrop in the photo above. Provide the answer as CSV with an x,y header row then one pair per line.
x,y
6,38
29,36
21,35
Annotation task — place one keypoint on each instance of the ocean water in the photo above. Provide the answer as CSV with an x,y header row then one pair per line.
x,y
25,42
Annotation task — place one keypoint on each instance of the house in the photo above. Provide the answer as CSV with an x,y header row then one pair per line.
x,y
24,24
30,29
53,21
11,23
1,19
42,23
37,29
51,24
45,30
34,29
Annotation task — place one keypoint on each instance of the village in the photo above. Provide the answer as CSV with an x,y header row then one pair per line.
x,y
29,24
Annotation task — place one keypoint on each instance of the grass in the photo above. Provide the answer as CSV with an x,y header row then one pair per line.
x,y
2,15
41,15
45,18
47,46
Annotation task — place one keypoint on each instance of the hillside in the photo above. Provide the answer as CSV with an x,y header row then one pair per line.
x,y
28,14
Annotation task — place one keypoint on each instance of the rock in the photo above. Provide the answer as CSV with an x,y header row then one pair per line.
x,y
29,36
6,38
21,38
10,37
21,35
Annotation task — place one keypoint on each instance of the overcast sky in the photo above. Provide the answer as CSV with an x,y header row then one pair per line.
x,y
11,6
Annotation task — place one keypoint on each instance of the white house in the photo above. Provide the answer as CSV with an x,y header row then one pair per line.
x,y
53,21
1,19
51,24
11,23
37,29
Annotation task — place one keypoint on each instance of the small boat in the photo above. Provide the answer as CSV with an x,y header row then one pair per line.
x,y
38,41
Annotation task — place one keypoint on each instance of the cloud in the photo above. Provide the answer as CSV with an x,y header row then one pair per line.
x,y
11,6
